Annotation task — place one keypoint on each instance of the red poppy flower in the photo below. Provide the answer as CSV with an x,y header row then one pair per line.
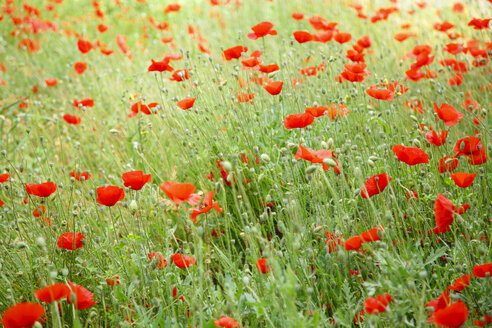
x,y
461,283
251,62
297,16
482,270
437,139
260,30
206,206
298,121
461,209
467,146
160,66
180,75
86,176
51,82
83,298
113,281
316,156
400,37
378,304
353,243
375,185
274,88
480,24
453,315
84,46
4,177
102,28
226,322
186,103
303,36
22,315
110,195
162,261
87,102
80,67
245,97
172,7
182,261
180,192
72,119
136,179
382,94
444,213
443,27
454,48
463,179
269,68
343,37
410,155
455,80
365,41
234,52
41,190
316,111
39,211
448,114
371,235
52,293
447,164
261,264
71,240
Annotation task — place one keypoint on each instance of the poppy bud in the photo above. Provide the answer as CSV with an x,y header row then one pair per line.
x,y
310,169
64,272
133,205
226,165
40,242
265,158
37,325
416,142
371,163
329,162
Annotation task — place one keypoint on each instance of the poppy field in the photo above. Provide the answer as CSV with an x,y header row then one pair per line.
x,y
245,163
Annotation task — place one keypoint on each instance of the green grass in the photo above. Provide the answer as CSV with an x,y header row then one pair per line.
x,y
183,146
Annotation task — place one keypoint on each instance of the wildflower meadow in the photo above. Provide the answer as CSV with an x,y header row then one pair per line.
x,y
245,163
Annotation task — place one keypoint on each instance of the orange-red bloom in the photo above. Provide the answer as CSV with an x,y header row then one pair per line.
x,y
261,264
71,240
72,119
110,195
410,155
52,293
41,190
298,121
303,36
80,67
226,322
182,261
437,139
22,315
274,88
453,315
162,261
260,30
180,192
448,114
206,206
186,103
83,298
375,185
444,214
378,304
463,179
136,179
